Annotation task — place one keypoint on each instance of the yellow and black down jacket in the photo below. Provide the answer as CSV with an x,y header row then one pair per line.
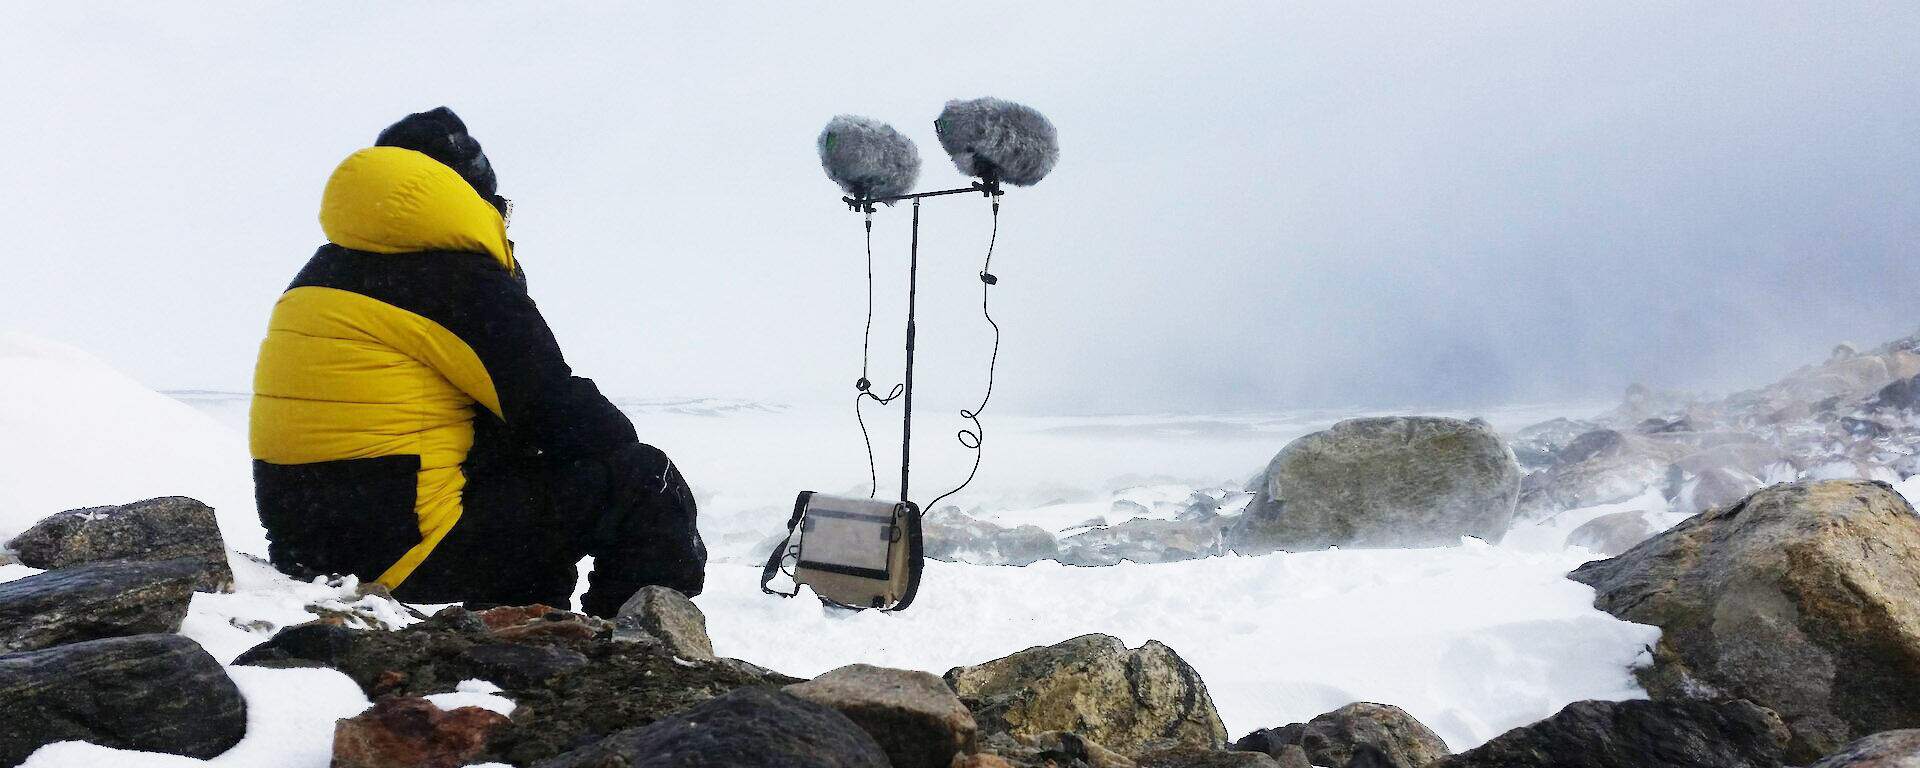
x,y
405,357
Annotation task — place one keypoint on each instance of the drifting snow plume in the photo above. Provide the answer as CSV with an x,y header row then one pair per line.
x,y
998,140
868,158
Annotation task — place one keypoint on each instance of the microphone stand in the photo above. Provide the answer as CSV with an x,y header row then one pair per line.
x,y
988,187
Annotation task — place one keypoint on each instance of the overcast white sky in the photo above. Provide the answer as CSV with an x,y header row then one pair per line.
x,y
1258,206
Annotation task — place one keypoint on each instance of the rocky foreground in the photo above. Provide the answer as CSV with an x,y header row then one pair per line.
x,y
1789,605
1791,636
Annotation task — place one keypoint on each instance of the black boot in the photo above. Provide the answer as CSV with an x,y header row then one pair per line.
x,y
649,534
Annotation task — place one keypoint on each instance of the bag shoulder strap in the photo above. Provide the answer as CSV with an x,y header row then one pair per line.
x,y
780,550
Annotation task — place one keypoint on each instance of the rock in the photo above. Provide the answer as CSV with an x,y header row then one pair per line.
x,y
1332,738
528,623
1195,757
1742,455
154,693
1902,395
519,667
1383,482
1095,687
1867,428
1600,467
94,601
748,728
1715,488
1611,534
1291,756
167,528
1051,748
1536,446
1656,426
1024,545
1799,598
1144,540
413,733
1889,749
982,760
669,616
570,691
954,536
914,716
1637,734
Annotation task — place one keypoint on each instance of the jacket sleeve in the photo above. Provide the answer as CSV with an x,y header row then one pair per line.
x,y
522,377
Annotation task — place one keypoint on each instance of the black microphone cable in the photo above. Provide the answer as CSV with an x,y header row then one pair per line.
x,y
976,437
864,386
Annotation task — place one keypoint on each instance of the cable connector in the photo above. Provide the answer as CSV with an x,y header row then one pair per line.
x,y
989,279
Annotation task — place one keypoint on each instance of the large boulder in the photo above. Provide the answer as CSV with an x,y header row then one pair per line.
x,y
1093,686
410,732
95,601
1891,749
1800,598
1332,738
153,693
747,728
167,528
1636,734
1383,482
913,715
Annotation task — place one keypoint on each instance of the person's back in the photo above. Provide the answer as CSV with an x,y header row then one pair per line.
x,y
414,422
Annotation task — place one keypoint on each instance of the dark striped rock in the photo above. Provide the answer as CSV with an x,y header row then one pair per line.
x,y
750,727
1637,734
167,528
94,601
154,693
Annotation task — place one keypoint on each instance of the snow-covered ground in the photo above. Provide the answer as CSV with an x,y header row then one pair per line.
x,y
1472,640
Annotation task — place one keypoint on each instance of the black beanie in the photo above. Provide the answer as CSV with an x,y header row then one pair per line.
x,y
439,134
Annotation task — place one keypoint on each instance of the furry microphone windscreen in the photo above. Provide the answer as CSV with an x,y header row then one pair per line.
x,y
868,158
998,140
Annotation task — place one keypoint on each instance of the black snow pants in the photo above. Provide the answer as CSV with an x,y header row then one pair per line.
x,y
527,523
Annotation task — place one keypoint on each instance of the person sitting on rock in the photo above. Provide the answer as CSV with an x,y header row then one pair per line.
x,y
414,423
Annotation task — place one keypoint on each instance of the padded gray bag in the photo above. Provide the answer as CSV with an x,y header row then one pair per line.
x,y
854,553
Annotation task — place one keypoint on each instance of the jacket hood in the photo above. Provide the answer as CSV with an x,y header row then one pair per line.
x,y
392,200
